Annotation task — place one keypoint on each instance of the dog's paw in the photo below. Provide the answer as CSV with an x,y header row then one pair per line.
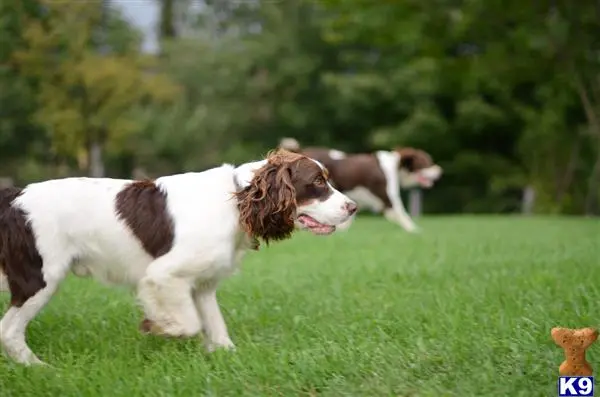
x,y
149,327
223,344
414,229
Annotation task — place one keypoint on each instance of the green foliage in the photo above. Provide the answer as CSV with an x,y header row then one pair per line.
x,y
18,136
503,94
82,95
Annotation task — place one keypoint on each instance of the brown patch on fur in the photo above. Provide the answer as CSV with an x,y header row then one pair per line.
x,y
143,207
268,205
413,159
20,260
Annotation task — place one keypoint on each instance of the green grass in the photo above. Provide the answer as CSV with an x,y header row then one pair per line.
x,y
463,309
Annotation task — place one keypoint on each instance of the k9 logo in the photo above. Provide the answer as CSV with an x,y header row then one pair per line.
x,y
571,386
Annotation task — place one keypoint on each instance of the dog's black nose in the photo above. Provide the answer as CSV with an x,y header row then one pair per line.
x,y
351,207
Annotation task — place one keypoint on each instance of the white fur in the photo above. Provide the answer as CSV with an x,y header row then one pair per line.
x,y
289,144
389,162
77,230
410,179
365,199
337,154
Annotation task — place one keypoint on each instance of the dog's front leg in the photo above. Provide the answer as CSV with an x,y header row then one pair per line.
x,y
400,216
214,327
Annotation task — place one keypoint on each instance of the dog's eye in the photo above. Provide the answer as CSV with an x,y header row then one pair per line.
x,y
319,181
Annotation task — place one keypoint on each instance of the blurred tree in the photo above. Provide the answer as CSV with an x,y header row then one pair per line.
x,y
86,97
494,89
167,26
545,68
245,85
21,141
505,95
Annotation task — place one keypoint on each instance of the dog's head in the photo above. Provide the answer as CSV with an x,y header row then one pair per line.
x,y
416,168
288,190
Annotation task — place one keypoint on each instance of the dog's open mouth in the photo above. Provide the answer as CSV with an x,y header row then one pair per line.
x,y
424,181
314,226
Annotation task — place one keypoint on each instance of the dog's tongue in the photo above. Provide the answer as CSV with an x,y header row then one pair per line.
x,y
314,226
309,221
424,181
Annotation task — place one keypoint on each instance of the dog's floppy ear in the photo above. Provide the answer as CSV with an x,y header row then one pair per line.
x,y
407,158
413,159
267,200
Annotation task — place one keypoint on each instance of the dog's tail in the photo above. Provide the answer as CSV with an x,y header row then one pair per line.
x,y
5,199
20,261
290,144
7,196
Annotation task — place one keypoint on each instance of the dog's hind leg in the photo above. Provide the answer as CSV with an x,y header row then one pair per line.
x,y
13,326
28,298
32,277
389,192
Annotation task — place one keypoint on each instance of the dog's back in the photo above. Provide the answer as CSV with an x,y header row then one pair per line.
x,y
327,157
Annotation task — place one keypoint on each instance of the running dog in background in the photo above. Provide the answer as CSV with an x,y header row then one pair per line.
x,y
374,180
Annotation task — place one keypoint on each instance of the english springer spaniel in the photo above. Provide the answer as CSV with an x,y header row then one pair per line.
x,y
373,180
173,238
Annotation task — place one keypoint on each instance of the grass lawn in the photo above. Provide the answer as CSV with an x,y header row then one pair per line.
x,y
463,309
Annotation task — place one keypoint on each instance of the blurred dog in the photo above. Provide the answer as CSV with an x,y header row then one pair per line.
x,y
373,180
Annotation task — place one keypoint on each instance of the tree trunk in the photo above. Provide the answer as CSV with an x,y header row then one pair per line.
x,y
167,20
593,116
591,199
96,161
415,202
6,182
528,200
139,173
567,179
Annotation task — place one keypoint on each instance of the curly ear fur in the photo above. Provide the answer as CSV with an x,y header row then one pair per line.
x,y
268,204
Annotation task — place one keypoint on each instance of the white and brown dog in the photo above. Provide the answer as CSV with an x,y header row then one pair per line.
x,y
374,180
173,239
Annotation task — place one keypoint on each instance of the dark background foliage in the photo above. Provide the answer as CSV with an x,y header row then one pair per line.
x,y
505,95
